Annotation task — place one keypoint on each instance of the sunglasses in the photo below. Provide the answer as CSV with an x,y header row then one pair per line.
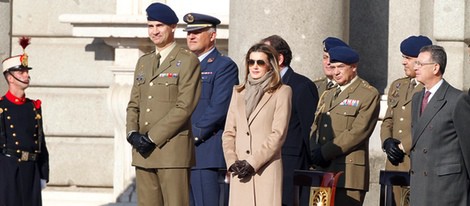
x,y
259,62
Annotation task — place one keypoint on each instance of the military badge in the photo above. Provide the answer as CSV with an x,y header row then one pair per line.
x,y
140,77
178,63
210,60
189,18
350,102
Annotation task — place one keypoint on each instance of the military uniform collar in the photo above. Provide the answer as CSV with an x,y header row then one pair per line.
x,y
15,100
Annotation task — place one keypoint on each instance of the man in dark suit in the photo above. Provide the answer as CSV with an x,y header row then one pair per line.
x,y
395,131
296,148
219,74
461,114
166,89
438,172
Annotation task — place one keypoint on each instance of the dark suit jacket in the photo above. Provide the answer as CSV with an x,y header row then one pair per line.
x,y
219,74
304,104
461,115
438,173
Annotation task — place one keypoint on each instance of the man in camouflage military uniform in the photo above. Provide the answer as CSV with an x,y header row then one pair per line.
x,y
165,93
344,122
396,127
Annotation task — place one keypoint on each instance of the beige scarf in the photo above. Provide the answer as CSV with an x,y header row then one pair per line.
x,y
255,89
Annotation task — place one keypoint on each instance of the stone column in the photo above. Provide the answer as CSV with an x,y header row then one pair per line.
x,y
304,24
449,30
404,21
127,51
5,38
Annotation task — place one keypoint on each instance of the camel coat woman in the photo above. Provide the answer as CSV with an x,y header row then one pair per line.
x,y
258,140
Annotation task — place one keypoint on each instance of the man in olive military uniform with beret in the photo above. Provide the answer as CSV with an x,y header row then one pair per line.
x,y
345,119
396,126
24,159
164,94
327,82
219,74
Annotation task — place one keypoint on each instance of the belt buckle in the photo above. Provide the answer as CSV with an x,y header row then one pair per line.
x,y
24,156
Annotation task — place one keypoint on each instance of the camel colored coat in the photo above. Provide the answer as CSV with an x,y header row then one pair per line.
x,y
257,139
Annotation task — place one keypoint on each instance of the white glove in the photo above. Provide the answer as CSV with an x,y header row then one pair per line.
x,y
43,184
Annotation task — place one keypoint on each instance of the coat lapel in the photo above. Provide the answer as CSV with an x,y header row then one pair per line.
x,y
344,94
435,104
261,103
287,75
166,63
209,59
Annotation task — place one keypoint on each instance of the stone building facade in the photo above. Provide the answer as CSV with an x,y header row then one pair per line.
x,y
83,53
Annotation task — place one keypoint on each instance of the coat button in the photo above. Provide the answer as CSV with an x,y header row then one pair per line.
x,y
401,119
400,131
247,133
148,110
425,173
17,143
412,172
150,97
425,150
325,125
166,84
328,113
196,138
248,151
12,126
146,123
403,107
151,84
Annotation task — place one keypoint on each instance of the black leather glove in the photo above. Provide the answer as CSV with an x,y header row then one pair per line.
x,y
318,159
141,143
394,154
235,168
246,169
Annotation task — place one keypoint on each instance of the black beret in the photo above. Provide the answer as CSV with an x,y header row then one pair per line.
x,y
411,45
331,42
197,21
162,13
343,54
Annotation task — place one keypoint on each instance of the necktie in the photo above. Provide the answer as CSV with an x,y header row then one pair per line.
x,y
157,64
337,91
330,85
424,103
411,87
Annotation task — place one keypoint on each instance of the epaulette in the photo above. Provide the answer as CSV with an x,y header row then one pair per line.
x,y
37,103
149,53
319,79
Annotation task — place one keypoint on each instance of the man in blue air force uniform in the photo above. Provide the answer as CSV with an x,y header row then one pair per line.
x,y
219,74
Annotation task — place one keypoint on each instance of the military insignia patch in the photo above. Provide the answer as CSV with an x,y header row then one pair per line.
x,y
210,60
169,75
140,77
350,102
178,63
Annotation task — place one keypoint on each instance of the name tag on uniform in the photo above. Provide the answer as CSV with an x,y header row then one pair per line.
x,y
169,75
350,102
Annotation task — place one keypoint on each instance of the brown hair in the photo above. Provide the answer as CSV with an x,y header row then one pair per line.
x,y
273,64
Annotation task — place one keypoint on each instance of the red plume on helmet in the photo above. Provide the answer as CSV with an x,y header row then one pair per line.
x,y
24,42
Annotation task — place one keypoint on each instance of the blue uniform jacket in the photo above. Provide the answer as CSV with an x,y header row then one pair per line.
x,y
219,74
